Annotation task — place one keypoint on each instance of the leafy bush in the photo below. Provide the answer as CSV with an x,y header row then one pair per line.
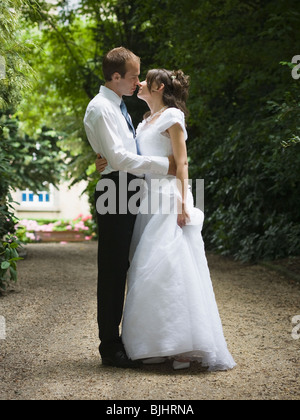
x,y
8,258
25,162
6,210
244,108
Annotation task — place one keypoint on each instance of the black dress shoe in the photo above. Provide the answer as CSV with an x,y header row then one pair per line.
x,y
120,360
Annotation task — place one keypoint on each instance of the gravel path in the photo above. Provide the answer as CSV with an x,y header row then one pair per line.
x,y
50,350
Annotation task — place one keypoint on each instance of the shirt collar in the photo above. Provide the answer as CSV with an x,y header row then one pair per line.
x,y
110,94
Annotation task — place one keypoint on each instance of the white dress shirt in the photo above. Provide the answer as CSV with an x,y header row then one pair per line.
x,y
109,135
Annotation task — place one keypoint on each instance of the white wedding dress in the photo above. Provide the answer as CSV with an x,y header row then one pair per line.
x,y
170,307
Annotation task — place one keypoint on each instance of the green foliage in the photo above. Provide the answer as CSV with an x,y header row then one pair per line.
x,y
6,210
244,104
17,69
13,83
32,159
8,258
68,59
25,162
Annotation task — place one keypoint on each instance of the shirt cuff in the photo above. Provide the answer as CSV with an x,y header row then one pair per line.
x,y
159,165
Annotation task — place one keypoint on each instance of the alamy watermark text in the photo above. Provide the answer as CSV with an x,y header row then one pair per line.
x,y
295,74
2,67
296,329
162,195
2,328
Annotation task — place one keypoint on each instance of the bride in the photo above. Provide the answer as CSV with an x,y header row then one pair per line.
x,y
170,309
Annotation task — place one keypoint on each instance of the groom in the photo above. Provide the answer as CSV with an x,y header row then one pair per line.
x,y
111,134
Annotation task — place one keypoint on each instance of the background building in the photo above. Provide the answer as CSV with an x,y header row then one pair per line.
x,y
61,203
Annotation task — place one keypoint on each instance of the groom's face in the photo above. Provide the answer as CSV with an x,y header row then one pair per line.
x,y
129,83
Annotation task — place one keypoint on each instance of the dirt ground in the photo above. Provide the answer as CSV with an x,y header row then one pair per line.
x,y
51,345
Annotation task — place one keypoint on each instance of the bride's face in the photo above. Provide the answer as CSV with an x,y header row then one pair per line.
x,y
143,92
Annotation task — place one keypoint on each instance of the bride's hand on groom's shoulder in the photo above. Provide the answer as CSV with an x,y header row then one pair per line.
x,y
101,163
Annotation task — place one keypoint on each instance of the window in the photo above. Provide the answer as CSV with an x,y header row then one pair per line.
x,y
42,200
27,197
44,197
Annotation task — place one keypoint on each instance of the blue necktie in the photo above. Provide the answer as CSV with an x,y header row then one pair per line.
x,y
127,117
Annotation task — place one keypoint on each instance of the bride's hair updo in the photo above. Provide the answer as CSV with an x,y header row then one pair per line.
x,y
176,87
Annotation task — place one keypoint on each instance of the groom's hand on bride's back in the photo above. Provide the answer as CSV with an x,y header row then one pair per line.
x,y
172,166
101,163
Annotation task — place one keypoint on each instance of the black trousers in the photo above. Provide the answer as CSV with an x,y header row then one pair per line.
x,y
115,233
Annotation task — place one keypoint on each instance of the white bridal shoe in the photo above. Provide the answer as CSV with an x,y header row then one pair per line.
x,y
159,360
180,365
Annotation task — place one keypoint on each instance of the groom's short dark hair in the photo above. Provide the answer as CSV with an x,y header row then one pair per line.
x,y
115,61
